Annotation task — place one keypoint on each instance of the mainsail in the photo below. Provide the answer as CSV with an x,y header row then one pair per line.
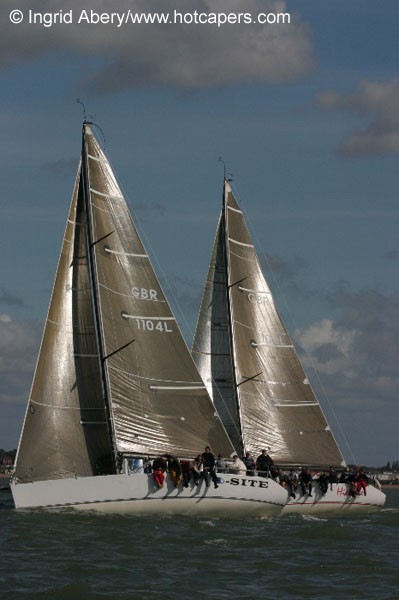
x,y
247,359
114,374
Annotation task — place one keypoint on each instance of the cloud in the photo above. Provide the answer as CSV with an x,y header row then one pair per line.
x,y
287,275
19,342
392,255
168,54
375,101
8,298
64,167
356,359
329,346
288,269
363,343
150,209
184,295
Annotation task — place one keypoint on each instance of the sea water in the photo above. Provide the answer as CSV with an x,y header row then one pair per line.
x,y
63,554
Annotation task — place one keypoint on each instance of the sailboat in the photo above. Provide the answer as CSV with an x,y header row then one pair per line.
x,y
115,384
253,374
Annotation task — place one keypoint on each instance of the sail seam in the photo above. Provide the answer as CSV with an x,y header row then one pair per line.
x,y
284,383
111,196
242,257
109,251
279,402
105,287
80,408
266,345
111,367
243,289
244,325
53,322
211,353
108,212
177,387
240,243
295,405
234,209
148,318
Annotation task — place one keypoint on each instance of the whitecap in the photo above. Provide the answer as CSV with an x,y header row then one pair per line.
x,y
209,523
313,518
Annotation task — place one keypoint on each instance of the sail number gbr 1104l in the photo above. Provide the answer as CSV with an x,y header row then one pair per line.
x,y
161,324
147,323
153,325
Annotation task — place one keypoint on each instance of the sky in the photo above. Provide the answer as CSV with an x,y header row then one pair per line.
x,y
305,115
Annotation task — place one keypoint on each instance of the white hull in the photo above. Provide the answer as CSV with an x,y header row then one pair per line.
x,y
337,500
136,493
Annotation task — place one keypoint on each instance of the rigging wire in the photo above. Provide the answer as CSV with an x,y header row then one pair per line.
x,y
91,122
226,176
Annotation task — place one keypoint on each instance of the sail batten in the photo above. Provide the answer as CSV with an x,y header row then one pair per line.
x,y
177,387
270,408
237,210
63,407
105,195
94,157
295,404
121,253
231,240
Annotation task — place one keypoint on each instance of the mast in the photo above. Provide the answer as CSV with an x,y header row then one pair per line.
x,y
225,234
93,279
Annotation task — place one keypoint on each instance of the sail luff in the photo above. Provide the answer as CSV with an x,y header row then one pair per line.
x,y
94,283
226,250
212,348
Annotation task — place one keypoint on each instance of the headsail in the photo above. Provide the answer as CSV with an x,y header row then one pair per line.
x,y
65,432
114,373
248,360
